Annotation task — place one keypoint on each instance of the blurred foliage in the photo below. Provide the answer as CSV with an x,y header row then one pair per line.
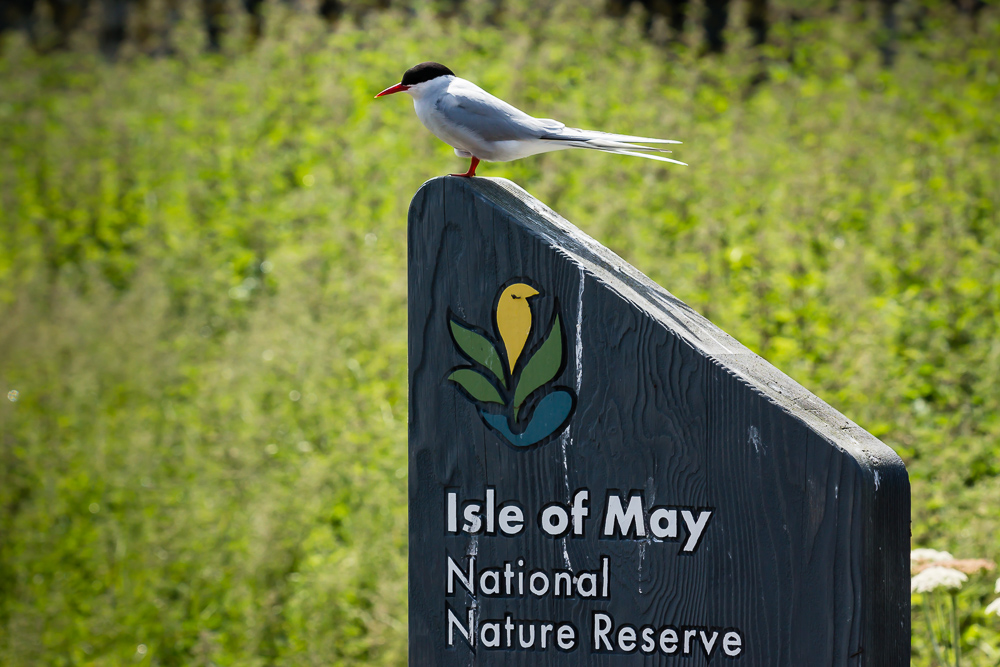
x,y
202,295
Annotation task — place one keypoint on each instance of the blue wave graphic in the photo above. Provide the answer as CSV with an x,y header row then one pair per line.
x,y
550,413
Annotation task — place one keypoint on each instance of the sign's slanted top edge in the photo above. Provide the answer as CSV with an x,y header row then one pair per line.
x,y
679,318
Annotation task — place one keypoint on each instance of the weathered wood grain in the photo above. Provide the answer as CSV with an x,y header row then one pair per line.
x,y
806,552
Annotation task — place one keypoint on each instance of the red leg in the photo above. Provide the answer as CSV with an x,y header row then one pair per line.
x,y
472,169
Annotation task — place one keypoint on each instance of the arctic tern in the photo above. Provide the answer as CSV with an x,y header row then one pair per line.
x,y
483,127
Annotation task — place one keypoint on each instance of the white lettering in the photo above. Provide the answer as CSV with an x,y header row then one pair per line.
x,y
482,515
491,499
513,633
544,631
455,571
493,641
580,511
656,527
688,636
591,589
626,520
531,636
626,638
511,519
473,524
489,582
566,637
695,528
648,643
452,512
732,644
508,577
455,622
554,520
706,644
564,578
602,627
668,640
540,589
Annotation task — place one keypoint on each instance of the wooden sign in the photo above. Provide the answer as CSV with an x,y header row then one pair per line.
x,y
600,476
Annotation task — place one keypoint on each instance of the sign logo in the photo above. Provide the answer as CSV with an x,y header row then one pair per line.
x,y
512,388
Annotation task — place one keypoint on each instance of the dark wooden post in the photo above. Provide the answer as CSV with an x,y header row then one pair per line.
x,y
600,476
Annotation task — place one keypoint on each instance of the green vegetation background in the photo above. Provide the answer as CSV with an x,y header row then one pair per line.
x,y
202,297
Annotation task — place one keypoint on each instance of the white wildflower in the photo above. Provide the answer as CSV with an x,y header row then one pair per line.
x,y
993,607
932,555
937,577
996,589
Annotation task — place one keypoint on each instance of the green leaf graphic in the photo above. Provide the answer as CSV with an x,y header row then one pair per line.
x,y
476,384
479,349
543,366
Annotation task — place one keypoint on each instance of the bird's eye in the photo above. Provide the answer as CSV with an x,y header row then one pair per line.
x,y
514,296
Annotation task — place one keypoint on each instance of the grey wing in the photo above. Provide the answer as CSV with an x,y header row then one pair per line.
x,y
490,117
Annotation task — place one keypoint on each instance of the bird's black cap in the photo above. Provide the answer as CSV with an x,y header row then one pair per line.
x,y
424,72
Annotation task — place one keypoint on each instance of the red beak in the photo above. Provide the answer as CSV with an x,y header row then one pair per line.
x,y
398,88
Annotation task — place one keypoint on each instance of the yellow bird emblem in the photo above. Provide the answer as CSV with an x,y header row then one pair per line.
x,y
524,408
514,320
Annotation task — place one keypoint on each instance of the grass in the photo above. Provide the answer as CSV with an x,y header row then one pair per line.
x,y
202,297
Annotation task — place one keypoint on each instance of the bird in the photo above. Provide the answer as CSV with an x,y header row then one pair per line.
x,y
514,320
485,128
